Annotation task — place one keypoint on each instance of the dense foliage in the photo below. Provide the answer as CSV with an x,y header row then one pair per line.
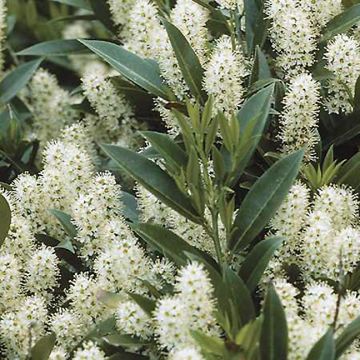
x,y
180,179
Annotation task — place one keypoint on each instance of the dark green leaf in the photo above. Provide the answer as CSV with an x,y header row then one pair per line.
x,y
145,303
153,178
166,147
102,11
143,72
65,221
209,344
82,4
256,109
17,79
240,305
349,172
129,209
346,338
166,242
118,340
324,349
274,333
260,70
55,48
5,214
43,348
263,199
342,22
257,260
188,61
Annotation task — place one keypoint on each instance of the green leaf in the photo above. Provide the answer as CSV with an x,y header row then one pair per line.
x,y
257,261
324,349
274,333
166,147
188,61
346,338
82,4
102,11
55,48
256,109
43,348
5,214
240,305
166,242
17,79
153,178
65,221
119,340
209,344
349,172
129,209
260,70
263,200
144,302
143,72
342,22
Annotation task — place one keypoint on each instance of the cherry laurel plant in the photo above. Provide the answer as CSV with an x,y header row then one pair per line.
x,y
179,179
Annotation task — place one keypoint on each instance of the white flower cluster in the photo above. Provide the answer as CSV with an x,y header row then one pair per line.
x,y
323,235
299,119
3,27
191,308
310,316
343,60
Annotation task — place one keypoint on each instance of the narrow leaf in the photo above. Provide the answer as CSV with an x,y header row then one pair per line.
x,y
55,48
257,261
263,199
346,338
153,178
274,333
43,348
142,72
5,214
65,221
188,61
17,80
342,22
324,349
81,4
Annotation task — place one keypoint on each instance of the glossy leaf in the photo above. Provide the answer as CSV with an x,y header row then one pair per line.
x,y
257,261
263,199
101,10
188,61
347,336
342,22
349,172
65,221
55,48
274,333
145,73
43,348
17,79
166,242
130,207
5,214
166,147
81,4
153,178
324,349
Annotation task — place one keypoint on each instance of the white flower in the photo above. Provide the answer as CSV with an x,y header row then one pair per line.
x,y
42,271
58,354
224,76
120,10
299,120
343,60
131,319
3,27
89,352
188,353
51,106
292,34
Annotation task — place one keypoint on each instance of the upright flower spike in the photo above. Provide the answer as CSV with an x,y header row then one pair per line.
x,y
299,120
120,11
343,60
190,18
224,76
89,351
51,106
292,35
3,26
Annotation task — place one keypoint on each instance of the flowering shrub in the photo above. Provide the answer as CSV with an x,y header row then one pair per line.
x,y
179,179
